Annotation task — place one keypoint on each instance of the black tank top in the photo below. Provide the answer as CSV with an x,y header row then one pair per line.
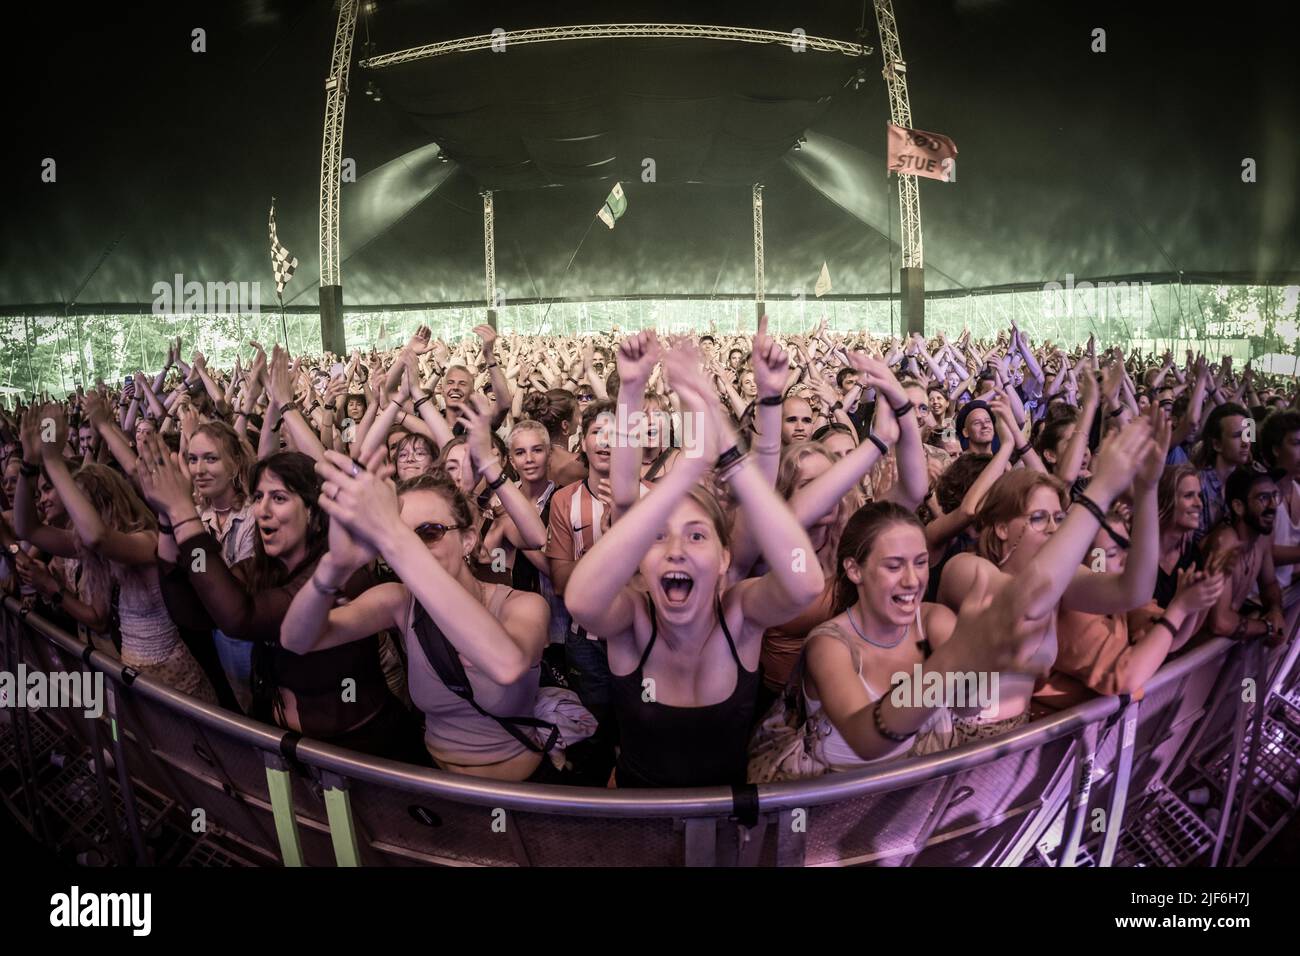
x,y
663,746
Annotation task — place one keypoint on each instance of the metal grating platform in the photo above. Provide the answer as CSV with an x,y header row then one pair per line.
x,y
44,740
73,795
1165,833
207,853
1277,767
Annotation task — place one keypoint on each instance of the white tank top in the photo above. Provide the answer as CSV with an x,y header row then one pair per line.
x,y
840,757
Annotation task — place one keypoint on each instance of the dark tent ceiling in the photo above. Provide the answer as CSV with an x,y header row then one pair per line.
x,y
563,113
1071,161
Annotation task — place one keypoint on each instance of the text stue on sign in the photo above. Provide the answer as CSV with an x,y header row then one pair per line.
x,y
915,152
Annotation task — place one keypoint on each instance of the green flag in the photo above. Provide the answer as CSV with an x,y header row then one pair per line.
x,y
615,206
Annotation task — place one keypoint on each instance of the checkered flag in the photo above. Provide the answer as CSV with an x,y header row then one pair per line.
x,y
283,263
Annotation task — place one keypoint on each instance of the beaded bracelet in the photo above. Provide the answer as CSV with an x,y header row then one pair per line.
x,y
885,731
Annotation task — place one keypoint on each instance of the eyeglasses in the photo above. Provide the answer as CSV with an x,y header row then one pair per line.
x,y
413,454
431,532
1038,519
1267,498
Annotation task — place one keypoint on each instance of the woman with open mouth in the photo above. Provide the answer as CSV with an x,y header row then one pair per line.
x,y
683,645
488,637
823,491
248,601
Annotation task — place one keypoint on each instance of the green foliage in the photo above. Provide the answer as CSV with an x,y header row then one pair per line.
x,y
40,352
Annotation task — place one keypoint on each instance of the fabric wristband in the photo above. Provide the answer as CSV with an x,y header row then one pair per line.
x,y
884,449
728,458
1092,506
772,400
1164,622
501,480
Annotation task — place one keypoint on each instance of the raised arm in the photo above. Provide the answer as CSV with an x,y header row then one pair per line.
x,y
27,524
365,503
134,547
279,388
1119,593
1071,463
771,369
636,358
114,439
523,514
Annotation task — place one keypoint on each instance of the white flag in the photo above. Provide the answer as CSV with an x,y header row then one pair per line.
x,y
823,282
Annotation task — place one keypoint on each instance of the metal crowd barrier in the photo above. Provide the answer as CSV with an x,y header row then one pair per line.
x,y
1092,784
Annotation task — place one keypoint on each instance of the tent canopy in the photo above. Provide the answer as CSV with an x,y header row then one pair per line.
x,y
1071,161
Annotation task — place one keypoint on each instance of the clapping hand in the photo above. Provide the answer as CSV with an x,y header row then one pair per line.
x,y
363,499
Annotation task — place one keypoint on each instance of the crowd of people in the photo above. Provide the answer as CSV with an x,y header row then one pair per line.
x,y
621,560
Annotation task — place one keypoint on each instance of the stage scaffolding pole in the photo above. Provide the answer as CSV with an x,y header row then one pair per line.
x,y
332,335
490,257
912,274
759,277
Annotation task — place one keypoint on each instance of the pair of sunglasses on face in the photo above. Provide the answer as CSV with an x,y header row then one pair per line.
x,y
431,532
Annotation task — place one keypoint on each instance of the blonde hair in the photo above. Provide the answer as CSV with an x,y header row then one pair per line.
x,y
120,509
235,450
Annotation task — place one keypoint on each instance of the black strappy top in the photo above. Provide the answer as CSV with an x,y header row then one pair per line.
x,y
663,746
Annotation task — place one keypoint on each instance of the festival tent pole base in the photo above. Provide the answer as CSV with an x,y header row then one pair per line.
x,y
912,282
331,320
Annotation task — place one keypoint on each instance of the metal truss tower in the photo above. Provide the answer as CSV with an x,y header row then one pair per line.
x,y
912,274
331,158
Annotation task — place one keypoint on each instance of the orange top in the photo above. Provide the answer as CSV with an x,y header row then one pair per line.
x,y
783,644
1092,655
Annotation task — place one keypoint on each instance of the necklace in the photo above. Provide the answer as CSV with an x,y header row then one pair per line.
x,y
883,647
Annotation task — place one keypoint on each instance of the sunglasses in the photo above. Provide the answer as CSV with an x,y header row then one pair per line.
x,y
431,532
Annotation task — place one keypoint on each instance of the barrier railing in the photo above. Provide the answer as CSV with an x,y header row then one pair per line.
x,y
267,796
